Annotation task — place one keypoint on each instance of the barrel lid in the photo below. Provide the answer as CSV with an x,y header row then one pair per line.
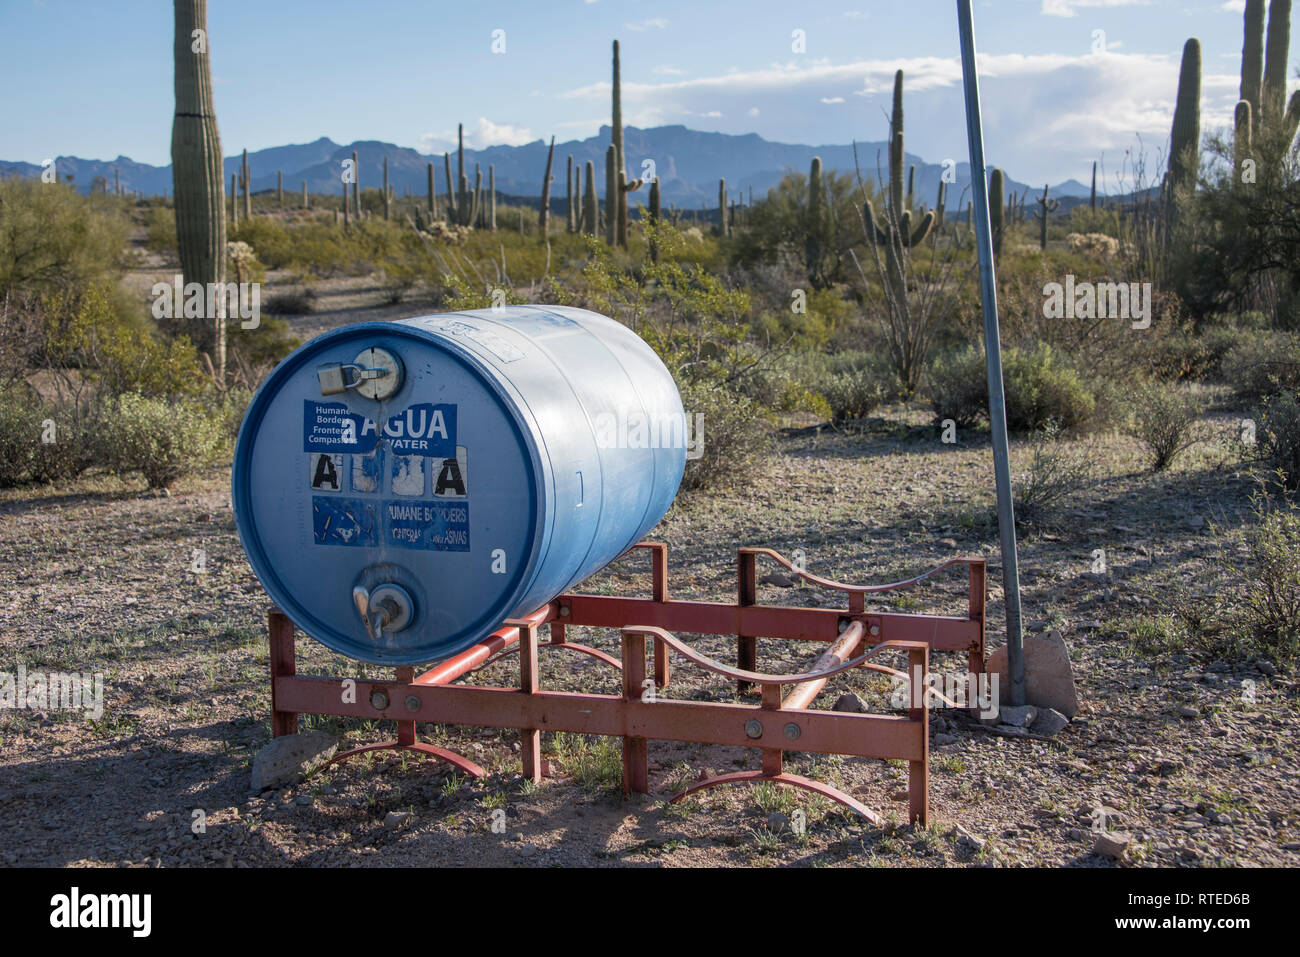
x,y
435,489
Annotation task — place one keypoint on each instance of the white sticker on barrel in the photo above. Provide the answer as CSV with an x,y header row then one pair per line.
x,y
408,475
326,472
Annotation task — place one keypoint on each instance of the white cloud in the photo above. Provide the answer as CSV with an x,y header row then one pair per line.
x,y
667,71
1046,116
1066,8
654,23
1234,6
752,111
482,134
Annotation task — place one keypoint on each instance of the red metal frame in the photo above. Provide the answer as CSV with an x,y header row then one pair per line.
x,y
781,721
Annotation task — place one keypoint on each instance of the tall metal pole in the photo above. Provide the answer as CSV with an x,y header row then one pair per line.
x,y
993,353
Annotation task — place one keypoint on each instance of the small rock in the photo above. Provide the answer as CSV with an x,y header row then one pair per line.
x,y
395,819
899,795
304,799
1049,722
777,579
1189,711
1017,716
1049,679
1113,846
851,703
776,821
287,758
967,839
527,850
942,739
1012,730
1266,666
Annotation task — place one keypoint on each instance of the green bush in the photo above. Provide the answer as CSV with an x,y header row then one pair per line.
x,y
853,394
20,432
162,440
1269,573
1057,470
1041,389
1163,419
1278,437
732,440
959,387
1263,363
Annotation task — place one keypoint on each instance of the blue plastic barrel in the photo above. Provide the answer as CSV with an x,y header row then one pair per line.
x,y
524,449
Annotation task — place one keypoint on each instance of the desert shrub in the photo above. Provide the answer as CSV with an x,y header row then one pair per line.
x,y
40,442
52,239
160,232
1163,418
1042,389
161,439
1186,356
1057,470
1269,574
853,394
732,439
959,387
298,301
1263,363
1278,437
20,431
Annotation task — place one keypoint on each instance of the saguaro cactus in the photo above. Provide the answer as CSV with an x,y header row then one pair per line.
x,y
722,207
654,216
1045,209
997,223
432,202
279,188
386,193
570,224
544,217
611,190
356,187
1262,114
590,205
197,178
815,234
248,188
451,190
1184,142
492,196
234,200
895,229
1092,196
306,203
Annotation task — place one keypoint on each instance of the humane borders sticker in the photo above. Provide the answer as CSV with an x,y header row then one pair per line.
x,y
420,429
431,526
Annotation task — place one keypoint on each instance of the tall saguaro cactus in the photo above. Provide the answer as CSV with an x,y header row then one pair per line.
x,y
492,196
386,193
817,229
997,210
611,190
590,204
1185,137
356,187
432,201
1045,209
544,217
894,230
198,181
1262,115
622,185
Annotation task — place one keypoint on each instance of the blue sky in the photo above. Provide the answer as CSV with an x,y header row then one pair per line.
x,y
93,78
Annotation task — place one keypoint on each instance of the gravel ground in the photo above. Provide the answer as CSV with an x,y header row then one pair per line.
x,y
154,592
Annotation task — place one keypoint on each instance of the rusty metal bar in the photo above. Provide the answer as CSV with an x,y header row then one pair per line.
x,y
746,596
530,739
918,767
636,757
279,630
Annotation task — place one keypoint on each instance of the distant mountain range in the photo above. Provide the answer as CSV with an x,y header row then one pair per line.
x,y
688,163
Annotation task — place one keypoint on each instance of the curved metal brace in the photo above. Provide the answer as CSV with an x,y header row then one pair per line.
x,y
762,678
852,589
792,780
431,750
585,649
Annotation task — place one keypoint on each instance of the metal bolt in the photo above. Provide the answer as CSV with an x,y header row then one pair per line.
x,y
379,699
875,629
754,728
792,731
564,611
412,702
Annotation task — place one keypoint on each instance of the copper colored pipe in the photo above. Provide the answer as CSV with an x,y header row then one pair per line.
x,y
802,695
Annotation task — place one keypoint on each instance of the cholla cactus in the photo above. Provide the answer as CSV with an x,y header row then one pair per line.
x,y
1045,208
